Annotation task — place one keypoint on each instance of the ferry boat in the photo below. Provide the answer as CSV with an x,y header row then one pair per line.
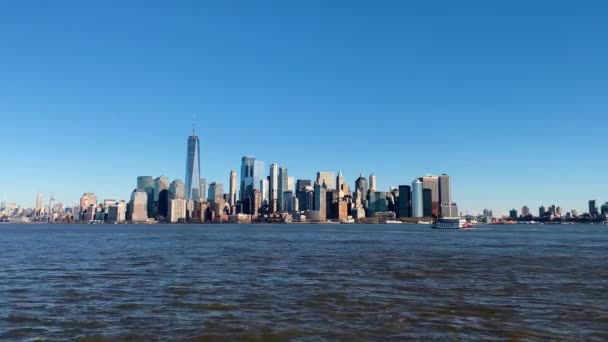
x,y
451,223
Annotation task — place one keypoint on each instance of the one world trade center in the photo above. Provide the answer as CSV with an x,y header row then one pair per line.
x,y
193,167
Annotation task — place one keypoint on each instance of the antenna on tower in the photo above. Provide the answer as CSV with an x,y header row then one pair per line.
x,y
193,123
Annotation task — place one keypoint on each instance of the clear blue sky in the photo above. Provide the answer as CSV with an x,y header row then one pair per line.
x,y
508,97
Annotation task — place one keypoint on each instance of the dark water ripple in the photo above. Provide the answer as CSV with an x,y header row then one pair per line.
x,y
305,283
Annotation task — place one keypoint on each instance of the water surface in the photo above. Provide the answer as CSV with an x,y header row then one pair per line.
x,y
303,282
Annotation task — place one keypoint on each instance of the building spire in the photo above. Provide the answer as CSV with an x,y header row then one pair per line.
x,y
193,123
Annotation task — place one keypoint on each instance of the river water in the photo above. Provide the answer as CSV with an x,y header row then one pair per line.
x,y
303,282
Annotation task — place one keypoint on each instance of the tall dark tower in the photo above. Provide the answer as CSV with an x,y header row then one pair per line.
x,y
193,167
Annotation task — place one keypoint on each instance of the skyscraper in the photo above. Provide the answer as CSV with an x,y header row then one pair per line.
x,y
177,190
247,169
39,204
320,194
592,208
160,183
216,192
405,201
525,211
283,180
427,202
264,191
432,183
372,183
193,166
139,205
273,187
146,183
445,195
361,189
203,190
232,187
340,182
417,204
259,174
328,178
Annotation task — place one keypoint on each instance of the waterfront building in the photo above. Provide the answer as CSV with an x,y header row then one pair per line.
x,y
361,190
216,192
264,190
432,183
39,205
273,188
445,195
525,211
146,183
287,198
513,214
327,178
258,173
404,205
372,183
542,211
193,166
232,197
417,199
139,205
203,190
592,209
574,213
177,190
177,210
247,169
283,180
604,209
377,203
256,203
117,213
306,198
427,202
160,183
320,193
87,199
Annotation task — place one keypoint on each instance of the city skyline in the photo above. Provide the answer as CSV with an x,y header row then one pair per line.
x,y
95,97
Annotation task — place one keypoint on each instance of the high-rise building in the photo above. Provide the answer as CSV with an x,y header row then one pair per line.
x,y
39,204
340,182
525,211
417,200
445,194
287,198
247,169
87,199
427,202
232,200
216,192
320,193
542,211
160,183
273,188
513,214
291,184
361,189
327,178
177,210
377,203
256,203
372,183
592,209
405,201
193,166
139,205
264,191
259,173
283,186
177,190
203,189
432,183
146,183
302,183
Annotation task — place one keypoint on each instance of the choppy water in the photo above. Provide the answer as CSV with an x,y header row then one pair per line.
x,y
303,282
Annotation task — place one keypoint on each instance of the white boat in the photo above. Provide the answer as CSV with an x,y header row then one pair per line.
x,y
423,222
451,223
394,222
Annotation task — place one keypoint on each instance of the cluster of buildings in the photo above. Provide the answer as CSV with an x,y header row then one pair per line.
x,y
554,213
260,194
